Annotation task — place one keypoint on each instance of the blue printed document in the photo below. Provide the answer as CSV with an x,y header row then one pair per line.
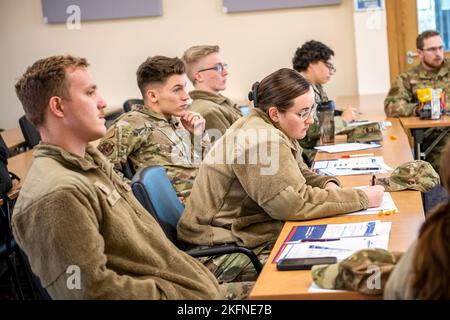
x,y
336,240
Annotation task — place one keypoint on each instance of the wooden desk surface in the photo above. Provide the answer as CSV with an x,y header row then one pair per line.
x,y
416,122
13,138
273,284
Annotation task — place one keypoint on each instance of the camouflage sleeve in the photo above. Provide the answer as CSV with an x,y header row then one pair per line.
x,y
120,141
339,123
312,137
399,101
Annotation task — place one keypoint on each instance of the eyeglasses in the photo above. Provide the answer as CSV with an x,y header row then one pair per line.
x,y
434,49
305,114
218,67
330,66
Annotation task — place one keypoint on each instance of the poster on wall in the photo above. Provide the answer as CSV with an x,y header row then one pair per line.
x,y
231,6
366,5
59,11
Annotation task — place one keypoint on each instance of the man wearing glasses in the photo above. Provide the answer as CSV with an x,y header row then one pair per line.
x,y
432,72
208,73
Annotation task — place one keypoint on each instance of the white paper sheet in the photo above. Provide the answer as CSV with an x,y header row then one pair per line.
x,y
346,147
352,166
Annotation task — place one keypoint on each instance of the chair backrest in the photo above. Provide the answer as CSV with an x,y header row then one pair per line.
x,y
128,169
130,102
109,119
4,146
30,133
153,189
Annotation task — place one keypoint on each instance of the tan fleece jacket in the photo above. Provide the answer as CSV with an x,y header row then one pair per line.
x,y
251,181
75,214
219,111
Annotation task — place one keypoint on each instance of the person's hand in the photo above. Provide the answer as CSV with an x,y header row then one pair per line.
x,y
332,185
193,122
349,114
375,195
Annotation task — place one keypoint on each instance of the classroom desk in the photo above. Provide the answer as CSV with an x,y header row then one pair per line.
x,y
417,127
13,138
273,284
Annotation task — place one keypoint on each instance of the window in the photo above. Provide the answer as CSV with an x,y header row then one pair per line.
x,y
435,15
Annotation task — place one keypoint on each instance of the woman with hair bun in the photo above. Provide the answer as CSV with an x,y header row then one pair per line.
x,y
253,179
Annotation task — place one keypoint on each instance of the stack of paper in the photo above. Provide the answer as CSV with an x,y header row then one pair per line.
x,y
351,166
336,240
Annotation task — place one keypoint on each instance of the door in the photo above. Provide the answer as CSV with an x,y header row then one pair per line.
x,y
405,20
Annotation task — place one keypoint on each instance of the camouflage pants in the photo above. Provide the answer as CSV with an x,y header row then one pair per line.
x,y
434,156
236,290
235,272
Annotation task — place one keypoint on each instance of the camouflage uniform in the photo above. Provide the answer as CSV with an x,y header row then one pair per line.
x,y
358,272
417,175
402,100
236,267
147,138
363,133
313,135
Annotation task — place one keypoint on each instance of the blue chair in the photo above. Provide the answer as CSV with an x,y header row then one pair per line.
x,y
130,102
153,189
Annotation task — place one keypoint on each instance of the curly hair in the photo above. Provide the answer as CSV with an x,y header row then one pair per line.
x,y
310,52
41,81
157,69
195,53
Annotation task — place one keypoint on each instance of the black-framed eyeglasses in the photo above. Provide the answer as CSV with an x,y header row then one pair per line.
x,y
219,67
305,114
434,49
330,66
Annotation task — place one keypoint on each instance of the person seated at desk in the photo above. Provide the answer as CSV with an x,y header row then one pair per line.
x,y
314,60
85,234
162,131
433,72
422,272
208,73
259,179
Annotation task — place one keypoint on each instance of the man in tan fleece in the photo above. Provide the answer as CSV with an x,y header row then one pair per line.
x,y
208,73
85,234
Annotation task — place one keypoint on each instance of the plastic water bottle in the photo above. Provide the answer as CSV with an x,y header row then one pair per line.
x,y
325,112
436,104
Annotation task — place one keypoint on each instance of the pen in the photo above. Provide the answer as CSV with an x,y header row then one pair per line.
x,y
360,169
320,240
373,179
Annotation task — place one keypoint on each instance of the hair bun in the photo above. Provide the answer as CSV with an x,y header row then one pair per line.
x,y
253,95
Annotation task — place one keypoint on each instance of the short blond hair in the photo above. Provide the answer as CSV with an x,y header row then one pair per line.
x,y
194,54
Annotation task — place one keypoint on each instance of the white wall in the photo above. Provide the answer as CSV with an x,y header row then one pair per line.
x,y
254,44
372,57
